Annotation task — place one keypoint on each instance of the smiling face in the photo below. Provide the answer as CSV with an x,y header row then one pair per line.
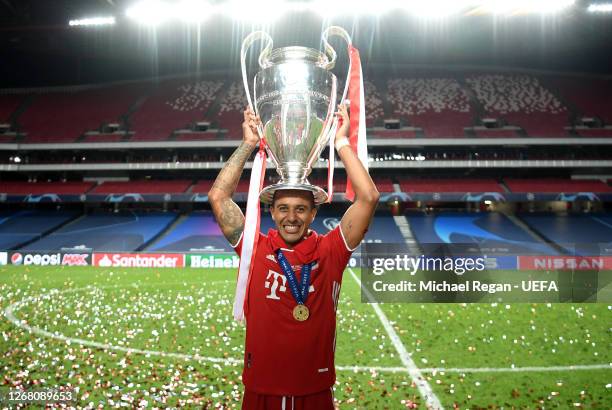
x,y
293,211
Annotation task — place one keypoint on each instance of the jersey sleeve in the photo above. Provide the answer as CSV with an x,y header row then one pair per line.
x,y
337,251
238,246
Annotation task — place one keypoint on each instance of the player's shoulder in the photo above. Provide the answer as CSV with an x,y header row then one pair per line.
x,y
330,238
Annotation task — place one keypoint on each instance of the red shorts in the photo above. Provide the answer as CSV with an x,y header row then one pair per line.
x,y
323,400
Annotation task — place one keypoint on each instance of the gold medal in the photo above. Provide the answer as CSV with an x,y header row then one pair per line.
x,y
300,313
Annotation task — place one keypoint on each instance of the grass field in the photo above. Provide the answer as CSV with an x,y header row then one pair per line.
x,y
158,338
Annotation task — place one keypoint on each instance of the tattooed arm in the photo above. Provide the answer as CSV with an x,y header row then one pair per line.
x,y
228,214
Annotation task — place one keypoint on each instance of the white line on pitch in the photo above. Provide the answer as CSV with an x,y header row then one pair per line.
x,y
431,400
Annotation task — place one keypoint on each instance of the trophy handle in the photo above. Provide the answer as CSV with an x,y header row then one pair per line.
x,y
340,32
263,58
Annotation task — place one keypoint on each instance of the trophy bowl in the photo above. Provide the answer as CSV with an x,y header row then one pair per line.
x,y
295,97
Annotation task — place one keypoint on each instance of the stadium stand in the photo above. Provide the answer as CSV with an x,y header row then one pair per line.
x,y
173,106
24,226
449,185
374,104
142,187
555,185
230,115
202,187
384,184
39,188
487,230
8,105
196,232
591,97
438,105
522,101
64,117
574,232
107,232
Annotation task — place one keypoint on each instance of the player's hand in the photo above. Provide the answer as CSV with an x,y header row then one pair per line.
x,y
249,127
344,122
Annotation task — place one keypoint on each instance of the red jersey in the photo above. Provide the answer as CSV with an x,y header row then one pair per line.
x,y
283,356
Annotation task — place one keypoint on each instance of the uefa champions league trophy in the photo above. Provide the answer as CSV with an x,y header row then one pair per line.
x,y
295,97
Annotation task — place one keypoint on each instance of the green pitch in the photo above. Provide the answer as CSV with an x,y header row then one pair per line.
x,y
165,337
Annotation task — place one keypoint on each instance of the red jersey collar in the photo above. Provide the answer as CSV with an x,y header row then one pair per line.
x,y
305,251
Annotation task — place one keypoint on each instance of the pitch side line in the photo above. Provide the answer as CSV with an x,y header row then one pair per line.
x,y
431,400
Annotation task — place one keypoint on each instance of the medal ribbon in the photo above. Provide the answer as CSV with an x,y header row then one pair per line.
x,y
300,295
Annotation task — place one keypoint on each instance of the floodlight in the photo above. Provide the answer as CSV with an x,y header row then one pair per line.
x,y
600,8
526,6
192,11
93,21
150,12
435,8
258,12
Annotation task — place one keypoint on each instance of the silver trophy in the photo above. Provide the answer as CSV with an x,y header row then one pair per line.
x,y
295,97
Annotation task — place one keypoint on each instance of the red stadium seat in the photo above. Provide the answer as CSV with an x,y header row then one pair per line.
x,y
556,185
440,106
172,106
39,188
142,187
449,185
63,117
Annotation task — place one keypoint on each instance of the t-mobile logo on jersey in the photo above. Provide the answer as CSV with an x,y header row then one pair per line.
x,y
275,284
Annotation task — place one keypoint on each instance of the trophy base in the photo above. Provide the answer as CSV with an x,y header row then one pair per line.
x,y
266,195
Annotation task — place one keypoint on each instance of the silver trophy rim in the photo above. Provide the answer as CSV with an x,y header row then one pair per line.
x,y
267,194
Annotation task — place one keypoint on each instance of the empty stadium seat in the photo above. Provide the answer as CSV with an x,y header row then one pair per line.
x,y
172,106
449,185
440,106
202,187
24,226
573,231
196,232
592,97
492,232
555,185
8,105
230,115
64,116
142,187
107,232
374,104
39,188
522,101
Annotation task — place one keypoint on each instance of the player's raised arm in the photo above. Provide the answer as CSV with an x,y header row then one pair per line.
x,y
356,219
228,214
